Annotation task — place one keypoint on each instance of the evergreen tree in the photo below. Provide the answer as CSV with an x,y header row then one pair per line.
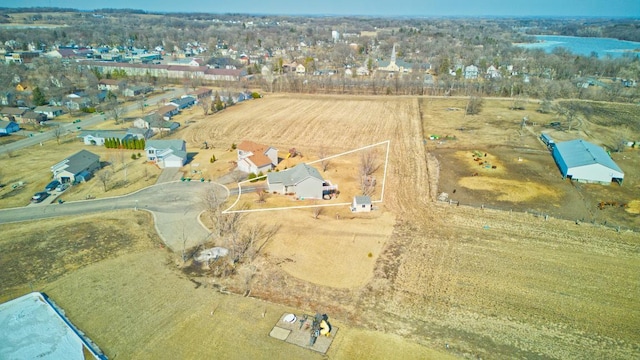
x,y
217,102
38,97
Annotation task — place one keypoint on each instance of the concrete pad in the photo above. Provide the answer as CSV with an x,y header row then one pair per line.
x,y
299,333
279,333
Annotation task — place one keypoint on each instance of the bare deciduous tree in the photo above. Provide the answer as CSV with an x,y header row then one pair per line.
x,y
323,153
205,104
262,194
368,165
225,224
123,163
212,204
105,176
317,211
252,240
368,162
141,103
57,132
116,110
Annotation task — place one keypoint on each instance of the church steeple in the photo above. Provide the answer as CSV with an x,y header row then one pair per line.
x,y
393,55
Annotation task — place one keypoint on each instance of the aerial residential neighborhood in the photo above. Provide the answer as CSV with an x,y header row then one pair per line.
x,y
367,181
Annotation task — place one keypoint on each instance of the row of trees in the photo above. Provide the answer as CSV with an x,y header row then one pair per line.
x,y
128,144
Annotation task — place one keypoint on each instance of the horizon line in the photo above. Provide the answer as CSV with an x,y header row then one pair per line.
x,y
406,16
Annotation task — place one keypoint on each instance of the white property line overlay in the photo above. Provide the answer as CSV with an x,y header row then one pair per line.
x,y
384,178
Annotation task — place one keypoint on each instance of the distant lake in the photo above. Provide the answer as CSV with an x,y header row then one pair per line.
x,y
583,45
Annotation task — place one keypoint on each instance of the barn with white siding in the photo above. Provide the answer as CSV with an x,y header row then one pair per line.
x,y
583,161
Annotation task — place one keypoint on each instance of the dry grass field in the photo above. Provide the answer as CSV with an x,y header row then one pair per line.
x,y
416,274
526,177
145,308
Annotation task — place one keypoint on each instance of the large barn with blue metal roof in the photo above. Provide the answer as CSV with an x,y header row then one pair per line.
x,y
583,161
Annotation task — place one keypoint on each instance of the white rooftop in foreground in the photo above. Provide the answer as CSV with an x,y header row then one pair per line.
x,y
32,328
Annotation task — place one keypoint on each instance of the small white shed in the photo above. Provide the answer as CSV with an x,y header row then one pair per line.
x,y
361,203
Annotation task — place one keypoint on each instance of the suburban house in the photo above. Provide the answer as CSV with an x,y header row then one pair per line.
x,y
291,67
76,168
166,153
167,112
6,98
110,84
77,101
8,127
303,181
137,90
361,203
98,137
155,124
183,102
583,161
188,62
300,69
50,111
31,117
256,158
201,93
493,73
471,72
13,113
362,71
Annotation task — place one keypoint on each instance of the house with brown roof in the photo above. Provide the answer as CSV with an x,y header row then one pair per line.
x,y
167,111
256,158
31,117
13,113
201,93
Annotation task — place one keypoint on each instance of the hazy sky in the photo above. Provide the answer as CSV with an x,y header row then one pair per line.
x,y
604,8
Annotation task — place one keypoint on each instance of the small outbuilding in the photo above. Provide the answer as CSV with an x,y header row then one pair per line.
x,y
361,203
583,161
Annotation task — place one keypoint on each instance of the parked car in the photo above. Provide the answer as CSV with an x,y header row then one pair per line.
x,y
52,185
39,196
62,187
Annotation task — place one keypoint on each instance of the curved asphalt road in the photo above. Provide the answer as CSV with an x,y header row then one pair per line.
x,y
176,207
